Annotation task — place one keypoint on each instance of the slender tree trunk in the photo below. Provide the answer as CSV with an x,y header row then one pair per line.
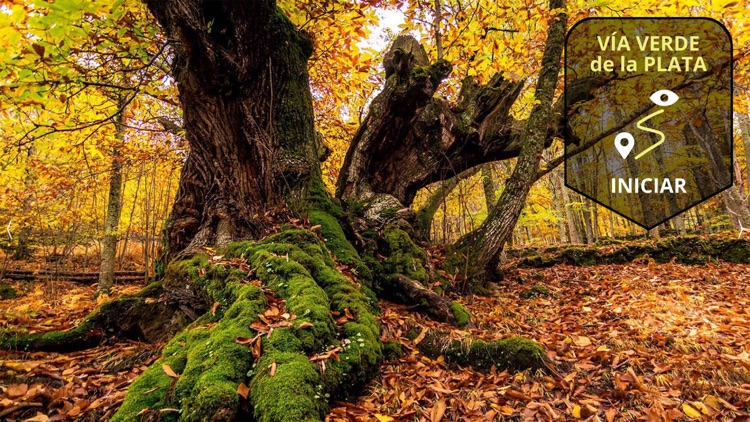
x,y
595,221
569,214
744,120
130,219
427,211
488,186
23,249
559,206
491,236
586,213
114,209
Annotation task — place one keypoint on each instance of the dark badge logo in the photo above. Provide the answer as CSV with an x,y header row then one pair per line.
x,y
657,138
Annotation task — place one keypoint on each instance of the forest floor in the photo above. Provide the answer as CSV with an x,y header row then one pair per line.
x,y
626,342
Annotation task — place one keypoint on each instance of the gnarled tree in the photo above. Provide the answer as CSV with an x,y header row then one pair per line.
x,y
252,188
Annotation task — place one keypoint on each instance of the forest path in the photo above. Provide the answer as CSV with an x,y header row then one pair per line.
x,y
625,341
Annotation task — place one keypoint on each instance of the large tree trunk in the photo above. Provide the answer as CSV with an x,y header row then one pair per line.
x,y
241,73
241,70
114,209
485,244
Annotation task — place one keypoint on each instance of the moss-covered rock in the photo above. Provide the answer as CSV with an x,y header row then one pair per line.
x,y
392,350
122,317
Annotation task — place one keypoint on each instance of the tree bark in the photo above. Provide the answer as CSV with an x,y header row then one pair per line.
x,y
488,186
114,209
427,211
411,138
491,236
556,181
241,70
569,214
586,212
744,120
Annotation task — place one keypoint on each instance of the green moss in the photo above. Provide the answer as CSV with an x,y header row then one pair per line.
x,y
7,292
153,390
337,243
690,250
293,393
303,273
152,290
580,256
210,362
392,350
216,365
403,256
120,317
514,353
463,317
536,290
298,267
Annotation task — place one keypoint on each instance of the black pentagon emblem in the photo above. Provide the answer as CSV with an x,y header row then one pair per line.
x,y
656,139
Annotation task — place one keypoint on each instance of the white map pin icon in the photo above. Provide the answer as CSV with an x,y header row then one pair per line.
x,y
624,143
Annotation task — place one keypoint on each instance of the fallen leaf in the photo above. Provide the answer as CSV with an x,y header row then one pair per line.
x,y
438,410
690,411
40,417
17,390
168,370
243,390
582,341
421,336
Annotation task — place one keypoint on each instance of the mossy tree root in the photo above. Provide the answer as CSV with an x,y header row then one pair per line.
x,y
300,368
122,317
689,250
403,277
514,353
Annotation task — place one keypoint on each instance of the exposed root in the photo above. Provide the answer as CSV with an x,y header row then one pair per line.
x,y
515,353
403,276
122,317
300,367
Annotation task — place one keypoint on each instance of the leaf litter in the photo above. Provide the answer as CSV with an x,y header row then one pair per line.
x,y
626,342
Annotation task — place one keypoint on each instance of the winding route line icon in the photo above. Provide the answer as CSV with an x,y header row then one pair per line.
x,y
656,98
